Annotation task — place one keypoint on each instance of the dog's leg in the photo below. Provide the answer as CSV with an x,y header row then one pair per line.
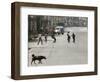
x,y
34,62
40,61
31,62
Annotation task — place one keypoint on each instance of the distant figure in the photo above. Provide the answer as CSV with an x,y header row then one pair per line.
x,y
73,36
40,39
46,37
53,36
68,37
62,31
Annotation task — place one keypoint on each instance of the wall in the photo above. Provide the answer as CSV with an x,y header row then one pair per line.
x,y
5,40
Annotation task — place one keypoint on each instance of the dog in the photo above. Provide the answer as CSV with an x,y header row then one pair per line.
x,y
39,58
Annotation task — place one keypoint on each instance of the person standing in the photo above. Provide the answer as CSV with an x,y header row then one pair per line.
x,y
73,36
46,34
46,37
68,37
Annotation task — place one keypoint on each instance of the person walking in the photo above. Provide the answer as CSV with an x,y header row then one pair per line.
x,y
53,36
40,37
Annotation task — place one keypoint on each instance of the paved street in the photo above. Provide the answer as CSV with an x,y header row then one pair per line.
x,y
61,52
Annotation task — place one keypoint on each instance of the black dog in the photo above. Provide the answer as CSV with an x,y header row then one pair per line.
x,y
39,58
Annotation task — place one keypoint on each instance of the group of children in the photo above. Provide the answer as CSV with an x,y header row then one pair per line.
x,y
45,37
69,37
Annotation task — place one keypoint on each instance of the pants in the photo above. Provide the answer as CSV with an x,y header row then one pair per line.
x,y
40,40
53,38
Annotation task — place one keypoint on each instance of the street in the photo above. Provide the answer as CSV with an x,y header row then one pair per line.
x,y
61,52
